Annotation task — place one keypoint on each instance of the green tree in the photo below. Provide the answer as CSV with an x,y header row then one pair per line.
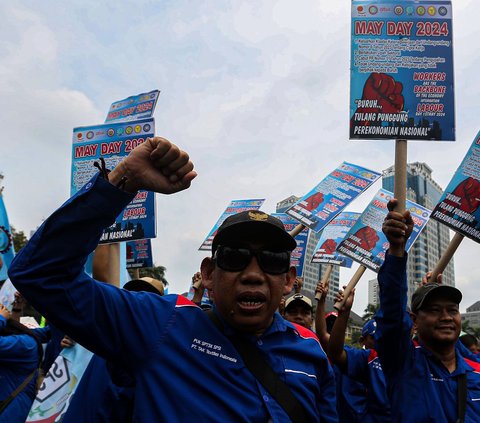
x,y
354,340
156,272
370,311
19,239
467,328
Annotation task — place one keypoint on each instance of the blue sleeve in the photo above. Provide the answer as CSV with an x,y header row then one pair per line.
x,y
15,347
43,334
464,351
357,364
328,400
49,273
392,338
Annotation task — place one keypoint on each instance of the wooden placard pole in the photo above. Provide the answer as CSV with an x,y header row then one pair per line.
x,y
106,264
400,193
297,229
400,186
351,285
446,256
325,280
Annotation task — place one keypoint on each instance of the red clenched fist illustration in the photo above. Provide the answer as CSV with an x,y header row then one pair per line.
x,y
367,238
468,192
314,201
329,246
387,92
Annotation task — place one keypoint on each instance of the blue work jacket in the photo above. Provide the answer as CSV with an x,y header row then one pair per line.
x,y
420,388
185,368
364,366
19,357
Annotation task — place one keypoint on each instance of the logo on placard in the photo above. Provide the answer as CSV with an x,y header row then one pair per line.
x,y
431,10
373,10
420,10
111,132
119,131
398,10
79,136
442,11
5,240
128,130
138,129
146,127
90,135
361,10
409,10
57,377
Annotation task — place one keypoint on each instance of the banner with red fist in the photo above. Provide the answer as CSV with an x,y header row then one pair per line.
x,y
331,236
365,242
401,84
458,207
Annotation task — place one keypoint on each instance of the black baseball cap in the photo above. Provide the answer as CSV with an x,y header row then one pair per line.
x,y
253,223
424,292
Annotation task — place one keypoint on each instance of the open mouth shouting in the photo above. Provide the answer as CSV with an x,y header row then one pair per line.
x,y
251,302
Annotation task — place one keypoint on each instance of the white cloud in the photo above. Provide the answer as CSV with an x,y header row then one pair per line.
x,y
257,93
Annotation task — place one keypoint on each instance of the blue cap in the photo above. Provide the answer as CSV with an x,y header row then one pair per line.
x,y
369,328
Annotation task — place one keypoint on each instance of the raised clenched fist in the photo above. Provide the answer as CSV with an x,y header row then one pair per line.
x,y
387,92
314,201
328,247
469,193
367,236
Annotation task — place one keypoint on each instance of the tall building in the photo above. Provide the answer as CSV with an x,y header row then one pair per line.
x,y
472,315
373,292
435,237
312,272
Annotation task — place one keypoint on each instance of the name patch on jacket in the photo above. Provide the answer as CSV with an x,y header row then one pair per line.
x,y
210,349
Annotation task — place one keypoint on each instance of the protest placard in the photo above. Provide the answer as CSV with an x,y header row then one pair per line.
x,y
336,191
330,238
458,207
297,258
235,206
401,83
366,243
139,254
114,141
133,108
61,380
7,294
6,241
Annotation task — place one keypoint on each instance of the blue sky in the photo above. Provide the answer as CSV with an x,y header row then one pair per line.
x,y
256,92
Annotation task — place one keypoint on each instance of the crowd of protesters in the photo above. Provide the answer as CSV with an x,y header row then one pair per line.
x,y
260,351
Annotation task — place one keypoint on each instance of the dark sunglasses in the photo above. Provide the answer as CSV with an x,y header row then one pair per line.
x,y
236,259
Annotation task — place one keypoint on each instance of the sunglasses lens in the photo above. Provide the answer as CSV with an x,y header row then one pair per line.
x,y
232,259
274,263
237,259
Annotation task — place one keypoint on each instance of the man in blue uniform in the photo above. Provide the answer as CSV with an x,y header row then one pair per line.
x,y
360,365
184,365
424,378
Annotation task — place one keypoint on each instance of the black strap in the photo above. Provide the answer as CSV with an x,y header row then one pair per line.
x,y
258,366
20,388
461,396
